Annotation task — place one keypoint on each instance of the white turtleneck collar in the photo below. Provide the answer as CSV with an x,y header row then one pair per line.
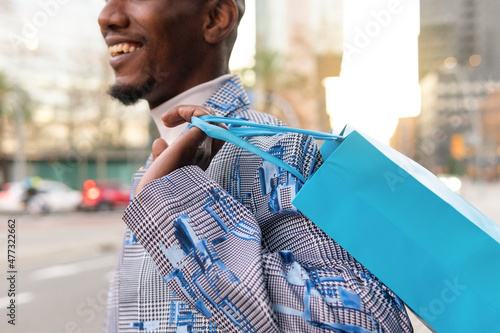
x,y
195,96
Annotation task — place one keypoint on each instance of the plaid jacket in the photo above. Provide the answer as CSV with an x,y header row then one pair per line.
x,y
224,250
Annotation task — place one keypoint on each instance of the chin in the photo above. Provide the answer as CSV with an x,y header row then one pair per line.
x,y
130,94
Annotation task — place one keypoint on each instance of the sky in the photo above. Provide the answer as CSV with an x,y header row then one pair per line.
x,y
244,49
378,83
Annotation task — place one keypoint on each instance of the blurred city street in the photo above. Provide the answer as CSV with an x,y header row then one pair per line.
x,y
65,262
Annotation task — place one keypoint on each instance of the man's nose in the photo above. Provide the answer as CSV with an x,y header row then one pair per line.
x,y
113,15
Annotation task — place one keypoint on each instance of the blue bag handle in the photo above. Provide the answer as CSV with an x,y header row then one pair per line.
x,y
234,135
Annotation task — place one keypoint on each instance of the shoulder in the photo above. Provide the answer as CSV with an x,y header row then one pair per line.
x,y
298,150
256,116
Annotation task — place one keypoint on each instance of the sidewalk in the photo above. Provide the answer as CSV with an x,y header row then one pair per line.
x,y
48,239
484,196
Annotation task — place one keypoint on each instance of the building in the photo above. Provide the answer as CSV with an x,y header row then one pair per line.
x,y
490,116
295,50
460,32
404,138
456,131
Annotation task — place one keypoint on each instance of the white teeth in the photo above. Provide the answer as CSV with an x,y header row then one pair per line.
x,y
122,48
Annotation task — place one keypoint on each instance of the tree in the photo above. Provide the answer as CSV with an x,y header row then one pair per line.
x,y
15,109
3,162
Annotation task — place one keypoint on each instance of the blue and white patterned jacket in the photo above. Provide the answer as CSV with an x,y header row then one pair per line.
x,y
224,250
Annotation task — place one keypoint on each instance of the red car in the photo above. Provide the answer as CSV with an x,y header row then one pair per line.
x,y
104,194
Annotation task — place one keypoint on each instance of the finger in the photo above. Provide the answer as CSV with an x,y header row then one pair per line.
x,y
221,125
196,148
190,139
167,160
183,113
216,146
159,145
216,143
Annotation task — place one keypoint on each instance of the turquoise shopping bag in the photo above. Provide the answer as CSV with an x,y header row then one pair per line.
x,y
430,246
439,254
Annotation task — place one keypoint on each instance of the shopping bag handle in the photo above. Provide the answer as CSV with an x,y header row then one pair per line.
x,y
234,135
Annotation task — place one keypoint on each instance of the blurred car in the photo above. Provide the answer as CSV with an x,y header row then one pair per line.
x,y
49,196
104,194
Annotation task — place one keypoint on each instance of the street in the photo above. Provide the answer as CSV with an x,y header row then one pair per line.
x,y
64,263
63,298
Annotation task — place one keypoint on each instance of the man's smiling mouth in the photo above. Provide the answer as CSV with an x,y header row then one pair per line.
x,y
123,48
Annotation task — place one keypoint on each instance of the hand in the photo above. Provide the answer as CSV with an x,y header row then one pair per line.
x,y
192,147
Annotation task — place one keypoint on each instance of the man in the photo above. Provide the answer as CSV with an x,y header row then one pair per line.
x,y
214,244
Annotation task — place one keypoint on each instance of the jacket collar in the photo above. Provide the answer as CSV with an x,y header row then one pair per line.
x,y
229,98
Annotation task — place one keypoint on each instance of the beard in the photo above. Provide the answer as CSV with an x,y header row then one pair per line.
x,y
129,95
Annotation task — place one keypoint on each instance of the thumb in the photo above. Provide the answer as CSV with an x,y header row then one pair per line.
x,y
159,145
216,143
